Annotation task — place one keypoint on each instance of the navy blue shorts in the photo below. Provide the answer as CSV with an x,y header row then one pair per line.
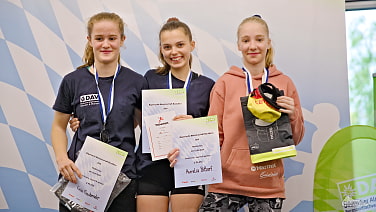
x,y
158,179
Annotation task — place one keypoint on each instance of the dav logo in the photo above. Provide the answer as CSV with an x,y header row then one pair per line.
x,y
89,99
358,194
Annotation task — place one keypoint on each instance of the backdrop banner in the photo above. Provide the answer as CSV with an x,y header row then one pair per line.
x,y
43,40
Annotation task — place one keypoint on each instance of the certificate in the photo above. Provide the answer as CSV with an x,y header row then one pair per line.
x,y
199,160
159,134
155,101
100,165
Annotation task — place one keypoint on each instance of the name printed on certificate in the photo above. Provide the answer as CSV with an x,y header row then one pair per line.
x,y
100,165
199,160
159,134
155,101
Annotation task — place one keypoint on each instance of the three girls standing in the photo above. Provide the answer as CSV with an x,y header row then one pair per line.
x,y
243,182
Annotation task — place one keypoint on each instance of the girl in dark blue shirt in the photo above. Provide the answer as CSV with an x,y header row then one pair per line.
x,y
106,98
156,188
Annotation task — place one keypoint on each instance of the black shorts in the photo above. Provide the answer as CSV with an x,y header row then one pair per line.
x,y
158,179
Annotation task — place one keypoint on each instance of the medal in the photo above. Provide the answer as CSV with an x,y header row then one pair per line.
x,y
104,135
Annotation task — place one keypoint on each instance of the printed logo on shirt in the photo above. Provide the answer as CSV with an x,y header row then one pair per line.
x,y
263,168
268,174
89,99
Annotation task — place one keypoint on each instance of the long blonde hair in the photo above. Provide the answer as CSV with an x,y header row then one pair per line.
x,y
270,52
88,57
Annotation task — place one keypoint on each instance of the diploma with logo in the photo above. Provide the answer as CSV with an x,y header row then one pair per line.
x,y
156,101
100,165
159,134
199,160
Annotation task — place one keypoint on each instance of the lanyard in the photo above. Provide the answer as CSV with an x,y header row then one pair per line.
x,y
248,79
110,95
186,83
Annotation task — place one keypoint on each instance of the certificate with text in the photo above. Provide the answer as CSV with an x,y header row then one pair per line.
x,y
199,160
100,165
155,101
159,134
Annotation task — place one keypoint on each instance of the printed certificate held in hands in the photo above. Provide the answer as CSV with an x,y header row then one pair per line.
x,y
155,101
199,160
159,134
100,165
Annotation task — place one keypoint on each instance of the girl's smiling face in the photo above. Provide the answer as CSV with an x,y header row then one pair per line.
x,y
176,48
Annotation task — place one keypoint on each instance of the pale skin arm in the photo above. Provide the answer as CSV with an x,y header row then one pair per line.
x,y
59,139
171,156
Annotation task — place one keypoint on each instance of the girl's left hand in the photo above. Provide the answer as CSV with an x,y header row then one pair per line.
x,y
171,156
288,105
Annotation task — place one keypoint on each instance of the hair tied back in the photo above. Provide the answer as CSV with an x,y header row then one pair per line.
x,y
172,19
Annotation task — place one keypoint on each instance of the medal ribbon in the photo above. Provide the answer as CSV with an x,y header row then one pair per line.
x,y
248,79
110,102
186,83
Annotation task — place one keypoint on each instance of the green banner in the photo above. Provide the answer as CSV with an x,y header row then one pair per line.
x,y
374,99
345,177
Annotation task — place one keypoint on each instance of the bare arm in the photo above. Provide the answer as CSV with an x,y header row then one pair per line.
x,y
60,143
137,118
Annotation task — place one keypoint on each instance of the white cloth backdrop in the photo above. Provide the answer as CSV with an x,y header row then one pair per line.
x,y
42,40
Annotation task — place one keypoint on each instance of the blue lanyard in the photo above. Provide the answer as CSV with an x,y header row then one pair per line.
x,y
248,79
110,95
187,82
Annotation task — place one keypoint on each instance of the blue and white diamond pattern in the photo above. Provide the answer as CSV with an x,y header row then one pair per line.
x,y
42,40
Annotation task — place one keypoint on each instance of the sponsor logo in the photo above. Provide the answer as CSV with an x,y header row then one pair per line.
x,y
268,174
358,194
263,168
89,99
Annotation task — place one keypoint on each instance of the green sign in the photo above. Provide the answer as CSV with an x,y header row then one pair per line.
x,y
345,177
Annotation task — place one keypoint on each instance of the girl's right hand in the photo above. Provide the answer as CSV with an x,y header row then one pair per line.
x,y
74,124
68,170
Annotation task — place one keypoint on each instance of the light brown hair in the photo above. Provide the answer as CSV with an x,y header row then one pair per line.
x,y
88,57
